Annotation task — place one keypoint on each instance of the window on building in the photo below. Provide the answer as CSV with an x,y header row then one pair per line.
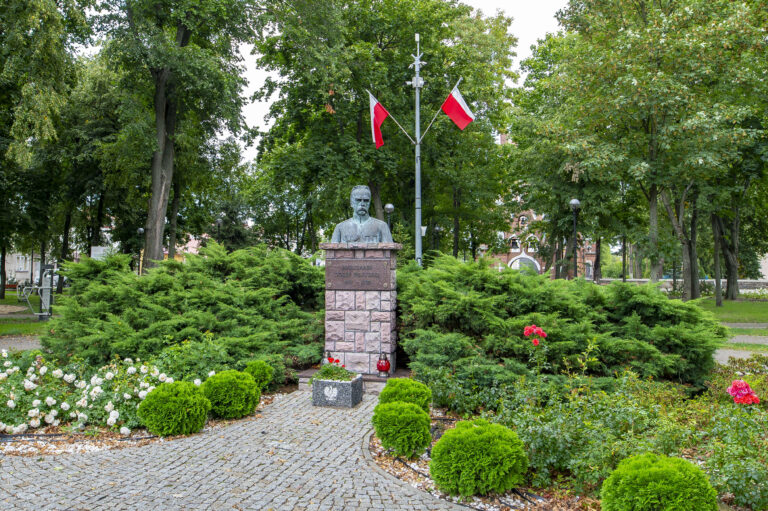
x,y
523,221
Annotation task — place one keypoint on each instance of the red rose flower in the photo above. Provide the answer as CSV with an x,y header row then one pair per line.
x,y
535,342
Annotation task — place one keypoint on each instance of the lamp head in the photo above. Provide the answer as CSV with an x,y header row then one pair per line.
x,y
575,205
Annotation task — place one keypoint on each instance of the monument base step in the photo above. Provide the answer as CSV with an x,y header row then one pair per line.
x,y
372,384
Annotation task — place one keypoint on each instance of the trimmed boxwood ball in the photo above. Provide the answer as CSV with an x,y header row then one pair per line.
x,y
232,394
177,408
261,372
402,427
651,482
477,457
407,391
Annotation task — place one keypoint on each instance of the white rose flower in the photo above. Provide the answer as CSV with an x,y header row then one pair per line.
x,y
58,373
16,369
72,414
95,380
96,391
35,403
33,377
30,370
144,385
211,373
69,378
169,380
11,403
109,375
110,422
33,412
81,384
128,360
83,417
28,385
127,396
144,369
21,428
151,388
114,414
43,370
142,394
82,403
131,370
56,422
3,376
65,406
197,382
50,401
109,407
5,354
35,423
155,371
125,431
49,418
162,377
7,363
54,412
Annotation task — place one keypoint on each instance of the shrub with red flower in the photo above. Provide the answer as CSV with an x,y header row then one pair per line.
x,y
742,393
333,370
534,330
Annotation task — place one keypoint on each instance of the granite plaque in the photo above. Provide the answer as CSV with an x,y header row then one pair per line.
x,y
358,275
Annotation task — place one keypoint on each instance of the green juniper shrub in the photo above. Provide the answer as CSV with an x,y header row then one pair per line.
x,y
649,482
253,301
232,394
177,408
402,427
407,391
261,372
477,457
281,374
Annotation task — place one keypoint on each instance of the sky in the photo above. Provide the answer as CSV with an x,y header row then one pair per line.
x,y
531,20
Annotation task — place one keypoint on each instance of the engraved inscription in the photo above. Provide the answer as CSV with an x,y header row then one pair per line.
x,y
358,274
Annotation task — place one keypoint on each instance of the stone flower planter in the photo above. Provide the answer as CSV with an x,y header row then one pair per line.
x,y
341,394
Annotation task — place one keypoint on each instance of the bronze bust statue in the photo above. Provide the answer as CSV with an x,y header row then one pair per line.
x,y
361,228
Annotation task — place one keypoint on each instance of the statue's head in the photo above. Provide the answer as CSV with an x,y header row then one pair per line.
x,y
360,200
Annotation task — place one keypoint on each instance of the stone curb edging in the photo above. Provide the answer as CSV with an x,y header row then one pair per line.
x,y
386,475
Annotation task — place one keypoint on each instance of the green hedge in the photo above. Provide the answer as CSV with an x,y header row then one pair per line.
x,y
246,303
402,427
177,408
407,391
232,394
469,318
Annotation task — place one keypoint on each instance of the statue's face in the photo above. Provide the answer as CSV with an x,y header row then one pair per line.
x,y
361,201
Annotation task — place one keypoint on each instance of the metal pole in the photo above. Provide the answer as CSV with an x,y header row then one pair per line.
x,y
575,247
417,84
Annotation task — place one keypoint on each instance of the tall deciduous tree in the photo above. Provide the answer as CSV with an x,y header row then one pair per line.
x,y
188,52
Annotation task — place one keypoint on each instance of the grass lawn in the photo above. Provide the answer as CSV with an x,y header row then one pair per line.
x,y
749,331
760,348
737,312
23,328
10,299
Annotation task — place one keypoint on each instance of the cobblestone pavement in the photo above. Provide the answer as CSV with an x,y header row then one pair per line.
x,y
749,339
746,325
295,457
19,342
723,354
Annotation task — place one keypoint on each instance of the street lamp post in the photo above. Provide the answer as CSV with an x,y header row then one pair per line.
x,y
389,208
575,206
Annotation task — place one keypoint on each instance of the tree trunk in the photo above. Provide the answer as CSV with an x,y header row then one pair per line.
x,y
637,260
163,158
730,249
43,250
378,208
3,250
32,268
695,282
653,232
174,216
64,248
676,214
456,206
624,258
716,235
597,272
570,254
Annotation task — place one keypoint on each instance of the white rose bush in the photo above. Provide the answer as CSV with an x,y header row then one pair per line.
x,y
34,393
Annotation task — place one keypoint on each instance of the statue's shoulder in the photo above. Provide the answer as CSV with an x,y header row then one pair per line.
x,y
379,223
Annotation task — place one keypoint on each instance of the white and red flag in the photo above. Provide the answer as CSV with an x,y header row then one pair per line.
x,y
457,109
378,114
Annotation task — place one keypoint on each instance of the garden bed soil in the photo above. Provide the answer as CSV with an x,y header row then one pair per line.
x,y
416,473
58,441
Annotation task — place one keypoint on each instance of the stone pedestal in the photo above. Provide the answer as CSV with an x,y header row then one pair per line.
x,y
360,303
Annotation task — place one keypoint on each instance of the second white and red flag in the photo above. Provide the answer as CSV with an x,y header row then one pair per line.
x,y
378,114
457,109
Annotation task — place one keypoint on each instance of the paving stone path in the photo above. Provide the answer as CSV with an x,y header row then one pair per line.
x,y
295,457
20,342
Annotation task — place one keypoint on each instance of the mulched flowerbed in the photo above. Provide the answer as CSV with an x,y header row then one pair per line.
x,y
53,440
416,473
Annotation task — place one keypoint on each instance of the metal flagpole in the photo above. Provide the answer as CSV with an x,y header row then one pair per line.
x,y
417,84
